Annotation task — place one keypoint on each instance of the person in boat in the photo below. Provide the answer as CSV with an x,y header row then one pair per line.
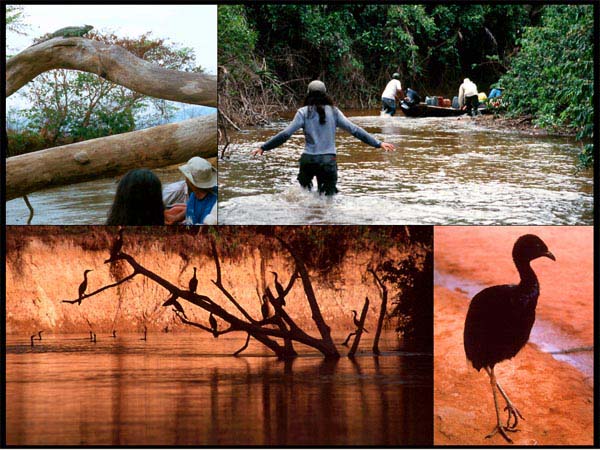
x,y
319,118
392,91
194,200
468,97
495,92
412,98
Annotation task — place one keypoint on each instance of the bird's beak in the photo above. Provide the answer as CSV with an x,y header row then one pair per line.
x,y
549,255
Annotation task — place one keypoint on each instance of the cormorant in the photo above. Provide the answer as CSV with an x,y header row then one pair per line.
x,y
145,334
213,325
83,285
279,287
114,333
356,321
193,282
172,300
500,319
33,338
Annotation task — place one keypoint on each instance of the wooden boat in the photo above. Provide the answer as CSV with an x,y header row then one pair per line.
x,y
425,110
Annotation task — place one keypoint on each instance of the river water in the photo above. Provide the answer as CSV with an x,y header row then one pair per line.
x,y
79,204
444,171
187,389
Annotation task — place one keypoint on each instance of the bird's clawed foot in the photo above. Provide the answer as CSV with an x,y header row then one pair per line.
x,y
502,430
514,414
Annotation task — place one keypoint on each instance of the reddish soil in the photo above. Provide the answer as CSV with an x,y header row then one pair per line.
x,y
555,398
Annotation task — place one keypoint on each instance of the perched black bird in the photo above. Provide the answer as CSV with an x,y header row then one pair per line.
x,y
500,319
213,325
193,282
33,338
172,300
83,285
356,321
279,287
117,245
114,333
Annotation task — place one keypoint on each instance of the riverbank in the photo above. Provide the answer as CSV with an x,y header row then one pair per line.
x,y
522,124
540,385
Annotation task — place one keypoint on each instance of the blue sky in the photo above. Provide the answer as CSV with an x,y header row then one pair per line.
x,y
192,26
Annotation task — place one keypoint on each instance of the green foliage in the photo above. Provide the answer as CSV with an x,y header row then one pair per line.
x,y
355,48
70,106
24,141
236,38
551,78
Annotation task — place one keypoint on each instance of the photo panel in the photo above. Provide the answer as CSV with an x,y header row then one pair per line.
x,y
514,305
219,336
113,123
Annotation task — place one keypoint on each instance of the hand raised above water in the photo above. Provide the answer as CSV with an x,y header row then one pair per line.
x,y
258,151
387,146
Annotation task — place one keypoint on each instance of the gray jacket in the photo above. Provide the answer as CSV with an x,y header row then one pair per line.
x,y
320,139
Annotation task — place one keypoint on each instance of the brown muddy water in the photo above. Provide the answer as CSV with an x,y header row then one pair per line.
x,y
187,389
79,204
444,171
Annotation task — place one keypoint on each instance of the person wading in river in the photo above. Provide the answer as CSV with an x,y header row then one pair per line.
x,y
319,119
392,91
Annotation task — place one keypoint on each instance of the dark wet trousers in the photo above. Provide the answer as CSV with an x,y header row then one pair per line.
x,y
388,105
472,104
324,167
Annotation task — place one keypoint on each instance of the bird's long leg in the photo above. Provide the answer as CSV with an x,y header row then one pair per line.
x,y
513,412
499,427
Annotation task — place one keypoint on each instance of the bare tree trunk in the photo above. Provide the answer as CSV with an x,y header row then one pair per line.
x,y
382,310
112,155
317,317
359,330
113,63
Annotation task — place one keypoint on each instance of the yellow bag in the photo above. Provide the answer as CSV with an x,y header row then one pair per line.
x,y
482,97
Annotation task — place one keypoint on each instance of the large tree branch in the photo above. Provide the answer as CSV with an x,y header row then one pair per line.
x,y
112,155
113,63
317,317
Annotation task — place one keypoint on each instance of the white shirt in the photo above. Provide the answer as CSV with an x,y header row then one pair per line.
x,y
175,193
467,89
392,89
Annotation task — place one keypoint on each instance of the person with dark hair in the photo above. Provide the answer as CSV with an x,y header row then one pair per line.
x,y
138,200
392,91
319,118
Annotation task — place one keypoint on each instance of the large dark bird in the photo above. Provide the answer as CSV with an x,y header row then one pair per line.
x,y
500,319
213,325
279,288
172,300
193,282
117,245
83,285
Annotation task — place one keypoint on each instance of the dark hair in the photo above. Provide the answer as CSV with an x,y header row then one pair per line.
x,y
316,100
138,200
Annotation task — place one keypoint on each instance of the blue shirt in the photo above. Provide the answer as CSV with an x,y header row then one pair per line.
x,y
196,210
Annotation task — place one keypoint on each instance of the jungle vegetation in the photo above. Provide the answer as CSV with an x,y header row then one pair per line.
x,y
268,54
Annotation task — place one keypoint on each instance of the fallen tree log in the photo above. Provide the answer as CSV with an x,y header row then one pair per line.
x,y
113,63
151,148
